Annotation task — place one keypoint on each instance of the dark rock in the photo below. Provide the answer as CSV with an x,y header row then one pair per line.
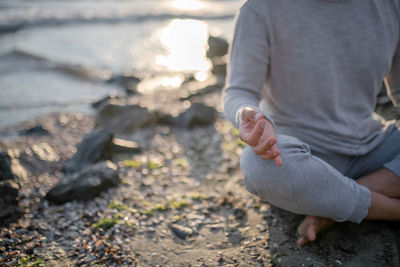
x,y
239,213
37,130
9,192
219,66
128,82
215,228
5,167
119,145
86,184
93,148
9,210
219,69
181,231
217,47
124,119
198,115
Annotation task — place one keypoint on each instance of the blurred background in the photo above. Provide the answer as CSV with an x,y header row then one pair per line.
x,y
59,55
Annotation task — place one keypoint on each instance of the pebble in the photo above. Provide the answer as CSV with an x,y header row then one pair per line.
x,y
181,231
113,247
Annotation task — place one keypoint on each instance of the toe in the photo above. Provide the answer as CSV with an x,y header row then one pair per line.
x,y
302,240
302,228
311,233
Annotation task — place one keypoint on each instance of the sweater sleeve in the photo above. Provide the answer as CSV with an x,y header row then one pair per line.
x,y
393,80
248,65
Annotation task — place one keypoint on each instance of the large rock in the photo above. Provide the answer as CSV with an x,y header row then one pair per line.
x,y
92,149
124,119
10,172
9,210
37,130
86,184
5,166
219,66
198,115
217,47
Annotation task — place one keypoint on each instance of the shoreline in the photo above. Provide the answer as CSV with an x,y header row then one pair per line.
x,y
167,191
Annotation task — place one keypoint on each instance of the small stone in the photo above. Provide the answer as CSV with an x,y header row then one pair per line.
x,y
239,213
181,231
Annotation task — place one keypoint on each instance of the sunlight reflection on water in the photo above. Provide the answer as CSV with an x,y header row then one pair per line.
x,y
165,82
184,41
162,41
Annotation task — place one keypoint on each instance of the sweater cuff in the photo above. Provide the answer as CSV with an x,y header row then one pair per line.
x,y
238,119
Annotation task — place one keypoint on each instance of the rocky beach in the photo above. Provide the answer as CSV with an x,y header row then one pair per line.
x,y
154,180
137,166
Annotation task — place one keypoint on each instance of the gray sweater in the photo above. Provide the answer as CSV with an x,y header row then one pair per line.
x,y
315,67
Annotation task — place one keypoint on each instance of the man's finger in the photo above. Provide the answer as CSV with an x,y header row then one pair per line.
x,y
265,146
254,136
277,156
270,154
273,154
278,161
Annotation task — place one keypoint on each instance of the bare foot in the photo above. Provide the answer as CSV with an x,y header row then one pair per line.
x,y
309,228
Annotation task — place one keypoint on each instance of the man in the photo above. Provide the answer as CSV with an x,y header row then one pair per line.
x,y
304,76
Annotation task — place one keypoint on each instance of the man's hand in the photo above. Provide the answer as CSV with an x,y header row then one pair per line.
x,y
259,133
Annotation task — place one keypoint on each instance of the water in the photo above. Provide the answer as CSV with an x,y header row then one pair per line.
x,y
55,55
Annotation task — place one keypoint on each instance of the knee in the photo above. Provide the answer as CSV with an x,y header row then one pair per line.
x,y
270,182
253,167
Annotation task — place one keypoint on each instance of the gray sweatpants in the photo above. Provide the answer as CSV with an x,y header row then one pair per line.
x,y
318,183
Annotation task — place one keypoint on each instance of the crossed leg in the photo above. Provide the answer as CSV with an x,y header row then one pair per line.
x,y
385,204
